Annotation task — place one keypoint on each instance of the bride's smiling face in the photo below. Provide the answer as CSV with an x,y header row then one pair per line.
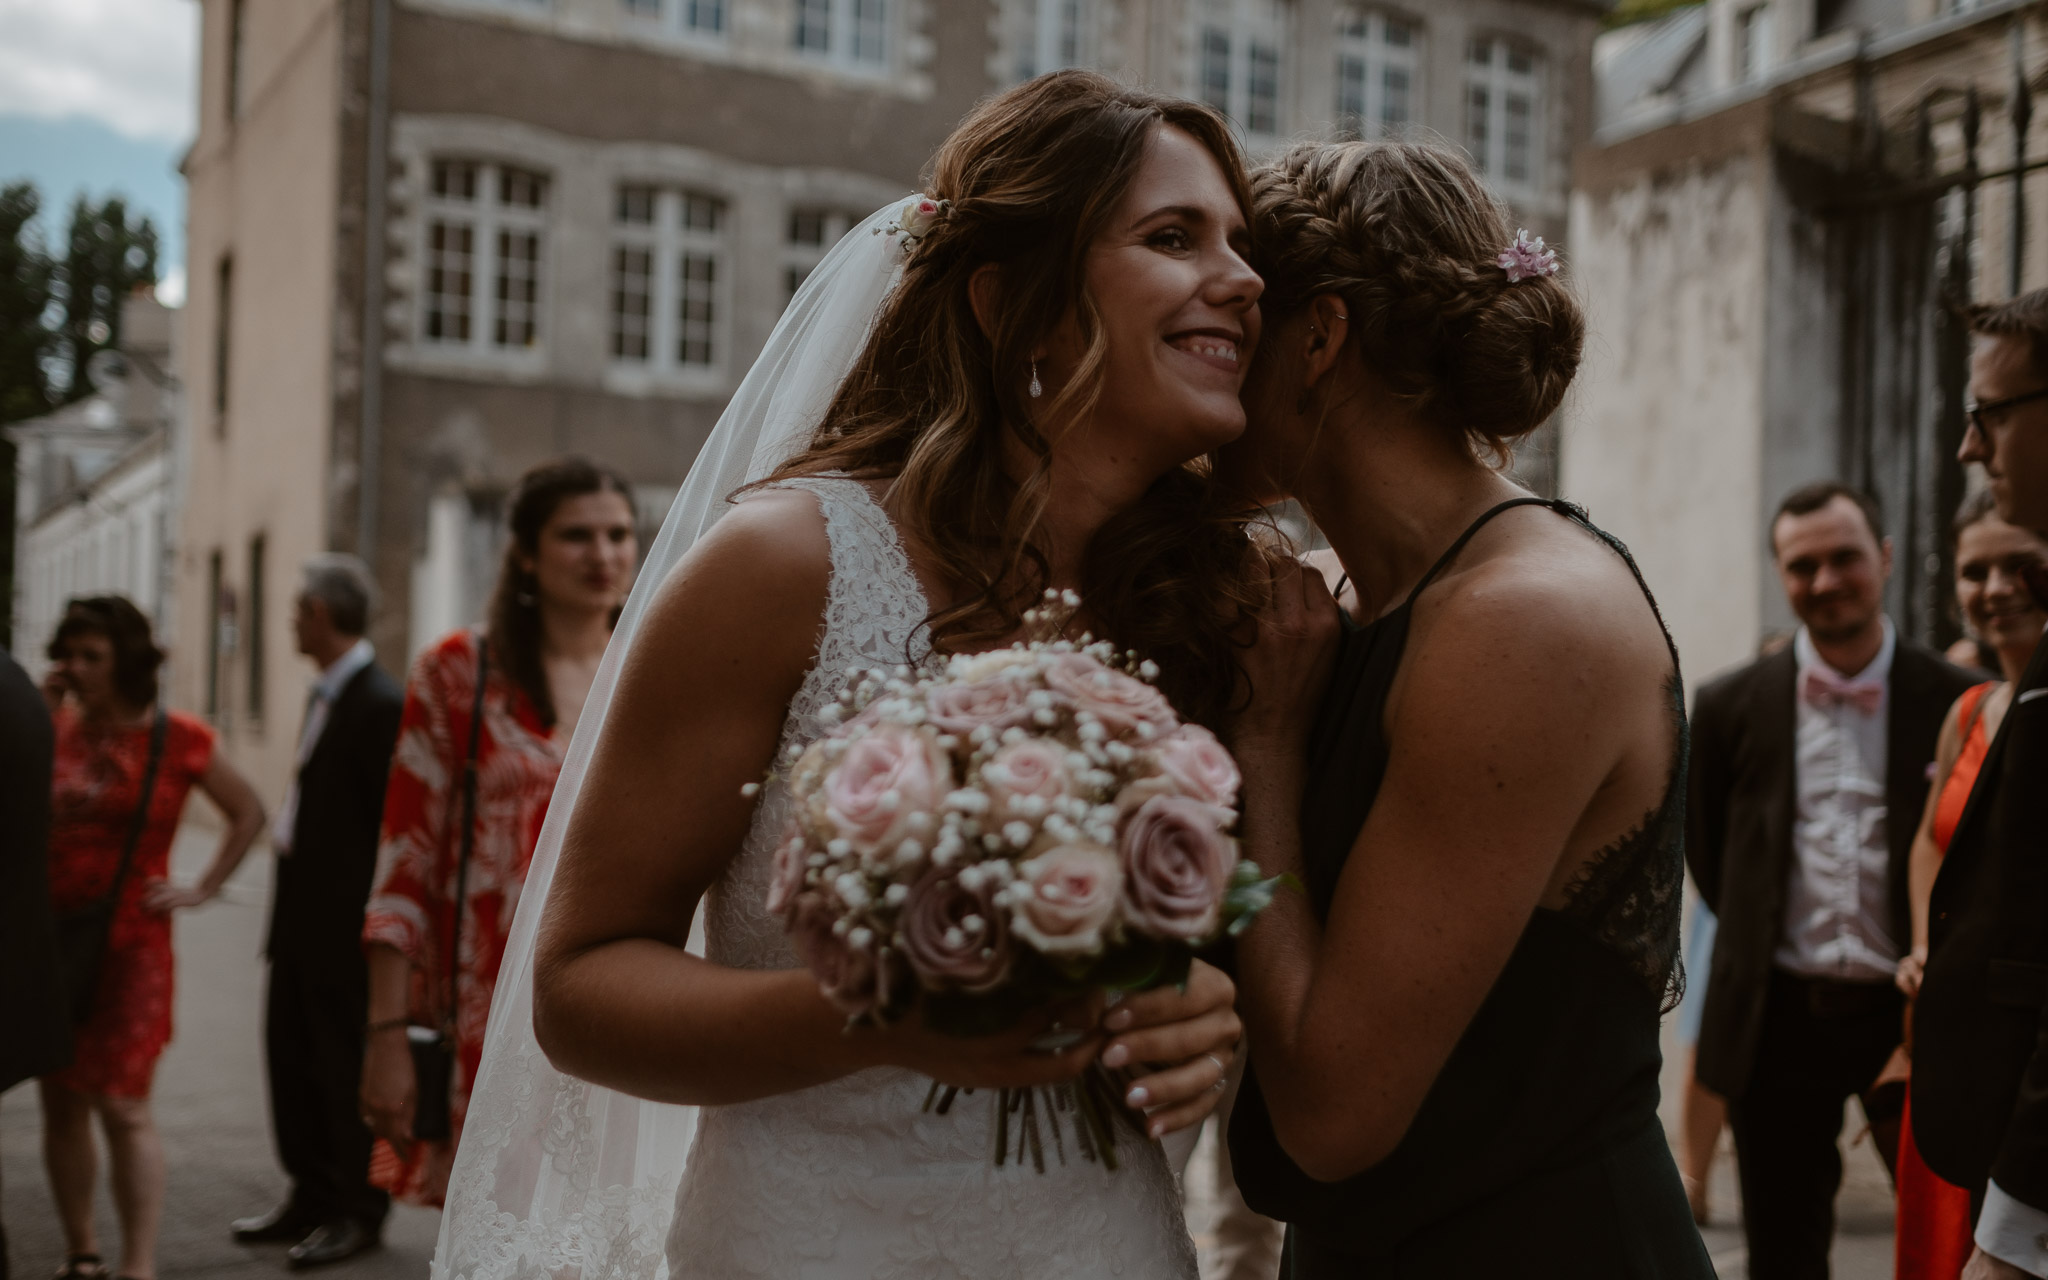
x,y
1178,306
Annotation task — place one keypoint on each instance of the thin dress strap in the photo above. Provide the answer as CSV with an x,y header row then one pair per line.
x,y
1443,561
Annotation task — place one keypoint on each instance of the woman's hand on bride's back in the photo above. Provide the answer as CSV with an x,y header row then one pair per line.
x,y
1178,1044
1289,664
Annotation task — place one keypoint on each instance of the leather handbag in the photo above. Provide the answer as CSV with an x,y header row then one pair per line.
x,y
433,1048
83,933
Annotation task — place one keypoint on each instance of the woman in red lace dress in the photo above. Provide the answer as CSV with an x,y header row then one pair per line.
x,y
102,694
1933,1234
567,568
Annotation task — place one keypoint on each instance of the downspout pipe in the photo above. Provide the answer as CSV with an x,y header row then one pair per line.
x,y
376,163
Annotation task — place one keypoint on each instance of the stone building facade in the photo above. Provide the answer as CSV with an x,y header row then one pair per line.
x,y
1779,202
435,241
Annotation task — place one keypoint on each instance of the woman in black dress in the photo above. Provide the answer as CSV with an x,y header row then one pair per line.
x,y
1475,767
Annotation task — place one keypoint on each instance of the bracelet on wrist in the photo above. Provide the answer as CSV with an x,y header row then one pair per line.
x,y
388,1024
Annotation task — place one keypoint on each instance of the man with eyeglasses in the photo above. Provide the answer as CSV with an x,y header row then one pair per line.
x,y
1980,1042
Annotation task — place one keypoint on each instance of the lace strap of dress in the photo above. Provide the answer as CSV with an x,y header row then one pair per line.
x,y
875,608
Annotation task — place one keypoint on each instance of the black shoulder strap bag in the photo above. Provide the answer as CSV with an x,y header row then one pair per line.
x,y
82,934
433,1048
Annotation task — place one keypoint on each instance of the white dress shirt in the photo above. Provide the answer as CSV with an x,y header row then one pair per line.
x,y
2013,1232
326,689
1837,908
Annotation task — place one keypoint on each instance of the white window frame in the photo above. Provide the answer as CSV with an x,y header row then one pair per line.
x,y
1057,34
668,242
703,20
1252,37
1367,58
856,36
487,217
1492,87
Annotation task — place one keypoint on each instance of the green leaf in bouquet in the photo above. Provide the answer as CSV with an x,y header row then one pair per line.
x,y
1249,894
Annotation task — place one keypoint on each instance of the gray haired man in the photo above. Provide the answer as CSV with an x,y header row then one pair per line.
x,y
325,837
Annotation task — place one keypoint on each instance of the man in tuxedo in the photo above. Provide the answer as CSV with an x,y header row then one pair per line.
x,y
325,835
1809,772
1980,1024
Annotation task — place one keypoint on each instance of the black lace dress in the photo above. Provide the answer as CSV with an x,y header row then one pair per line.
x,y
1538,1151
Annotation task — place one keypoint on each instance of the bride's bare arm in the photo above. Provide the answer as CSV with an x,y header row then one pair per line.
x,y
1498,754
699,706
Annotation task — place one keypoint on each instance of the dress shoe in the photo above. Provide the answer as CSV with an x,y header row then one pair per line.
x,y
285,1224
331,1242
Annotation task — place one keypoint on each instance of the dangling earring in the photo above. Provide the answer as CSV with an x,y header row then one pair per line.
x,y
1036,389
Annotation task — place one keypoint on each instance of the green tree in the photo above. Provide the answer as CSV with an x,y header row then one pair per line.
x,y
106,257
1630,11
26,279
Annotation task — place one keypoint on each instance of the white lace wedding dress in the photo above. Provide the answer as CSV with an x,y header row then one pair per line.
x,y
851,1179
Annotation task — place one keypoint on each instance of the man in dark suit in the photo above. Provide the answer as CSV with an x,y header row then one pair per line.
x,y
1809,772
36,1039
325,835
1980,1024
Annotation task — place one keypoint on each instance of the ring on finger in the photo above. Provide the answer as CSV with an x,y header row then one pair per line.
x,y
1222,1072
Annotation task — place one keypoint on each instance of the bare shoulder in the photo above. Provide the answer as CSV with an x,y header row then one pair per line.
x,y
756,581
1545,594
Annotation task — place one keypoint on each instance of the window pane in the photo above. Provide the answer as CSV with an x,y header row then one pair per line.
x,y
636,206
455,179
1070,32
695,302
1477,100
1216,69
707,16
1351,94
870,31
793,279
1517,138
451,253
1394,88
1399,34
814,25
518,288
702,213
1519,61
643,8
807,226
521,189
1479,52
632,302
1262,105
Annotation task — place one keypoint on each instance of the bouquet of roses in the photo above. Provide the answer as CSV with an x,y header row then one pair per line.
x,y
1025,827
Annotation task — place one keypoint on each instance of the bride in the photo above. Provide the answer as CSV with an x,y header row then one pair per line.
x,y
1015,388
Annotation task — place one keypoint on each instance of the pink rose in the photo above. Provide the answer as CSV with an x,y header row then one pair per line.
x,y
996,703
885,776
786,880
1120,702
1176,865
1198,765
953,936
1034,767
849,976
1066,896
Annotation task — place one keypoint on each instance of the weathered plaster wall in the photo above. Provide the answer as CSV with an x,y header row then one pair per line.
x,y
1663,437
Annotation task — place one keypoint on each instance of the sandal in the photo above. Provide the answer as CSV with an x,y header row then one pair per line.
x,y
83,1266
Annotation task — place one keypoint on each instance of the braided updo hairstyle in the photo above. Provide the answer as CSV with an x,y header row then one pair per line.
x,y
1408,236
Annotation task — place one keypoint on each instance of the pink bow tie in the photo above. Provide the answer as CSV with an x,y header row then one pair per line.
x,y
1819,687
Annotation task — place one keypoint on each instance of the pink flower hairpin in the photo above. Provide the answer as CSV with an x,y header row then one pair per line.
x,y
915,220
1526,259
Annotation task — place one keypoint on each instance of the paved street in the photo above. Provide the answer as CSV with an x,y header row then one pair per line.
x,y
210,1104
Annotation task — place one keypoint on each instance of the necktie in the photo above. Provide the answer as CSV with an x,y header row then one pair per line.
x,y
1820,687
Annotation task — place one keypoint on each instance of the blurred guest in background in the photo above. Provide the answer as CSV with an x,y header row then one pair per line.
x,y
1980,1060
325,836
1800,761
438,919
1933,1231
122,771
38,1034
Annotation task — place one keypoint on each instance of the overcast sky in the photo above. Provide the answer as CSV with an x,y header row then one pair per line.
x,y
97,96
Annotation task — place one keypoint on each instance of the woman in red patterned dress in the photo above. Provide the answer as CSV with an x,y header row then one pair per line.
x,y
1933,1241
567,568
102,694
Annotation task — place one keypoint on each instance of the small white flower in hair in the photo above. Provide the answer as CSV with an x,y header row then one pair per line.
x,y
1526,259
915,220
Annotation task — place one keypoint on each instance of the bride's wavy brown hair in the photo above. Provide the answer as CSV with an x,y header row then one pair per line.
x,y
1033,175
